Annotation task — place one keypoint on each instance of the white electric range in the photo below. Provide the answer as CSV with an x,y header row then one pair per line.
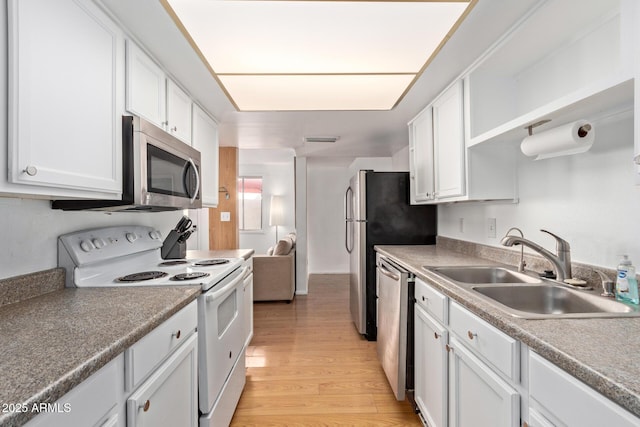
x,y
130,256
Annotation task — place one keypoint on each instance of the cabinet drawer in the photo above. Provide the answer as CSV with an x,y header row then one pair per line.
x,y
432,301
570,400
145,355
497,348
88,404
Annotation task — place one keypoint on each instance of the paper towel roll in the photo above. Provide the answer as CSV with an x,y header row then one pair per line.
x,y
572,138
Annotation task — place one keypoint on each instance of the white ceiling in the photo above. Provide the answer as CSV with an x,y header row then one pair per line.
x,y
362,133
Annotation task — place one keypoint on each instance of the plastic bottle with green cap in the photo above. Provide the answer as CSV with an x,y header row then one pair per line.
x,y
626,282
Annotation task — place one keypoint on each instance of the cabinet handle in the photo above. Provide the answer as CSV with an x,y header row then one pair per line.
x,y
146,406
424,298
31,170
174,129
176,334
435,334
448,348
471,334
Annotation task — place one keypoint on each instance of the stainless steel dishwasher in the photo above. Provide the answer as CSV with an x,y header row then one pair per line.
x,y
395,341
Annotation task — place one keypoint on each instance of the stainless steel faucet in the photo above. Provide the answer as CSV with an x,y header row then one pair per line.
x,y
561,260
522,264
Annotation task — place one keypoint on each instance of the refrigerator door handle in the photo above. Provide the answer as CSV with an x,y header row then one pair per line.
x,y
347,220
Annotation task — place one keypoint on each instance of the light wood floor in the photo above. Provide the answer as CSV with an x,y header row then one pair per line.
x,y
307,366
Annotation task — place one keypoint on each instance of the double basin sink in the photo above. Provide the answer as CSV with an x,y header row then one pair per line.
x,y
526,296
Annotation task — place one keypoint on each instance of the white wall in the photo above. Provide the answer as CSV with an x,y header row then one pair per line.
x,y
30,229
400,160
327,181
277,172
588,199
326,185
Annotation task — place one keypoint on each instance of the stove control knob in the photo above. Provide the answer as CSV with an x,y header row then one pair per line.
x,y
87,246
155,235
99,243
131,237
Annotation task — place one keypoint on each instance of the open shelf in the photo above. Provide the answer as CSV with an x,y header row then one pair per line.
x,y
577,68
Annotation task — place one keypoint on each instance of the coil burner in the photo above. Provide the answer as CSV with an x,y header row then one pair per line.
x,y
142,276
189,276
172,263
210,262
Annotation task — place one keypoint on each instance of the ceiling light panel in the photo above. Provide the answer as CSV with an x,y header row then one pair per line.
x,y
315,37
316,92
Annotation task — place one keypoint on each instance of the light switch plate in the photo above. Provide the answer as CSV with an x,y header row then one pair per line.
x,y
225,216
491,228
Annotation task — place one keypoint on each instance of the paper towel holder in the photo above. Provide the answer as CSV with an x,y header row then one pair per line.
x,y
535,125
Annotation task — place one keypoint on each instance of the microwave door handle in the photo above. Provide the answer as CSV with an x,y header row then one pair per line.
x,y
195,169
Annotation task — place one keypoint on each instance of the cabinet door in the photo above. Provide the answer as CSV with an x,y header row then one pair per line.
x,y
477,395
178,112
448,140
146,87
94,402
205,140
421,157
431,368
169,397
66,77
248,308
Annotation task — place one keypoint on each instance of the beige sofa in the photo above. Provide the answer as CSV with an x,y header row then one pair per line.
x,y
274,275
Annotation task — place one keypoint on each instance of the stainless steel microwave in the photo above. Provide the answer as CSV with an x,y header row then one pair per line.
x,y
160,173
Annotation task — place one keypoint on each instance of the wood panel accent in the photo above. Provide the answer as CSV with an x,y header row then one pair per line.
x,y
225,235
308,366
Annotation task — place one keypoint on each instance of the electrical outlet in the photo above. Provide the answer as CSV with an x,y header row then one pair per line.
x,y
462,225
491,228
225,216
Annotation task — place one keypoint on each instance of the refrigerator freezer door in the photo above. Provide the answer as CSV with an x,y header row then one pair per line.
x,y
356,235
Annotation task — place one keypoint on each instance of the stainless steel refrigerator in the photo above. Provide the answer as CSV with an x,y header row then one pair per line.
x,y
377,212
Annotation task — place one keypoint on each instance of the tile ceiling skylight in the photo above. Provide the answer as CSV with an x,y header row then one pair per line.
x,y
316,55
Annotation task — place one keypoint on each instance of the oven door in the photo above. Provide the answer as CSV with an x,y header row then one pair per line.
x,y
220,335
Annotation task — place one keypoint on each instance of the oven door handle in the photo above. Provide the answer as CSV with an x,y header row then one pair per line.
x,y
210,296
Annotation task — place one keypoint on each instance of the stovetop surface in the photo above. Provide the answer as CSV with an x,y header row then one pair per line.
x,y
124,255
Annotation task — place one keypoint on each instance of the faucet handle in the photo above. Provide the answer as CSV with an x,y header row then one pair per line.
x,y
561,244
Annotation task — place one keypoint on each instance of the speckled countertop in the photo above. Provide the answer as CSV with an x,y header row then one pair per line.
x,y
603,353
228,253
50,342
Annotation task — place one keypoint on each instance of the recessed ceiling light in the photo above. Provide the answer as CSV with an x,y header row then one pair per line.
x,y
317,55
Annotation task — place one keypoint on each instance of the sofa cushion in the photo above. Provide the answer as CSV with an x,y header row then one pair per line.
x,y
283,247
270,251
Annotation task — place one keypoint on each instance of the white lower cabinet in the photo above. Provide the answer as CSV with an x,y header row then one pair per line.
x,y
431,368
93,403
565,401
169,397
477,395
154,383
248,302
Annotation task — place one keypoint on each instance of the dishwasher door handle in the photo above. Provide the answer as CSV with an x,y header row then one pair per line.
x,y
382,269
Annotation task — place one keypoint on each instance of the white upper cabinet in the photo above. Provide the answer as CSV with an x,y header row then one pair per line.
x,y
146,87
65,100
421,157
448,143
443,169
154,97
205,140
178,112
